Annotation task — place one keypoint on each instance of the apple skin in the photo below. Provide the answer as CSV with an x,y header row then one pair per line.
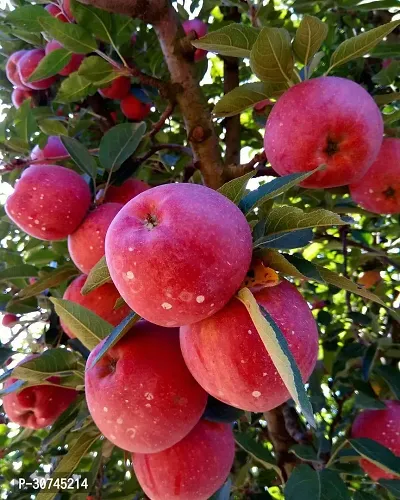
x,y
12,69
192,469
140,394
66,5
49,202
18,96
9,320
27,65
126,191
200,28
326,120
228,359
101,301
118,89
379,190
178,252
54,148
73,65
86,244
134,109
383,427
56,12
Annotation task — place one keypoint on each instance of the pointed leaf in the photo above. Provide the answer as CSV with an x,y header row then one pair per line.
x,y
233,40
52,279
257,451
392,485
377,454
74,88
71,36
89,328
309,37
99,275
100,21
235,189
119,143
21,271
51,64
390,375
277,347
305,453
360,45
96,70
388,75
271,57
81,156
52,127
382,99
27,17
285,241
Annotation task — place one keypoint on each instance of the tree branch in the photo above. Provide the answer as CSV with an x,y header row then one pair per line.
x,y
164,117
146,10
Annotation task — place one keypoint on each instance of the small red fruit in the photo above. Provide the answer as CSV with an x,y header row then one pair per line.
x,y
118,89
134,109
49,202
56,12
18,96
66,5
140,394
383,427
126,191
27,65
192,469
12,69
200,28
9,320
101,301
74,63
379,190
54,148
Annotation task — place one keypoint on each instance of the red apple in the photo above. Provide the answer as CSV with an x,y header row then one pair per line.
x,y
86,244
27,65
74,63
326,120
178,252
9,320
18,96
381,426
101,301
140,394
56,12
134,109
126,191
228,359
200,28
66,5
49,202
118,89
379,190
12,69
192,469
54,148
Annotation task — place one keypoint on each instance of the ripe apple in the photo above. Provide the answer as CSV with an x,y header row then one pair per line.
x,y
66,5
226,356
178,252
56,12
74,63
326,120
126,191
12,69
86,244
18,96
9,320
134,109
49,202
27,65
194,468
379,190
200,28
54,148
118,89
101,301
381,426
140,394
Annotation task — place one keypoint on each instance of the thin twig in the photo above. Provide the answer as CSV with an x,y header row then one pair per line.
x,y
343,234
46,161
159,147
164,117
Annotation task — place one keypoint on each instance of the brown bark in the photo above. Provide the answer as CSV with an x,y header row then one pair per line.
x,y
147,10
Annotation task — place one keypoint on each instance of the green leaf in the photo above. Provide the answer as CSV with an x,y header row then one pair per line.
x,y
305,452
257,451
116,335
119,143
100,21
392,485
27,18
388,75
51,280
24,121
391,376
81,156
246,96
271,57
71,36
89,328
51,64
52,127
74,88
278,262
277,347
382,99
233,40
96,70
392,117
99,275
305,482
286,241
360,45
21,271
51,362
235,189
309,37
377,454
